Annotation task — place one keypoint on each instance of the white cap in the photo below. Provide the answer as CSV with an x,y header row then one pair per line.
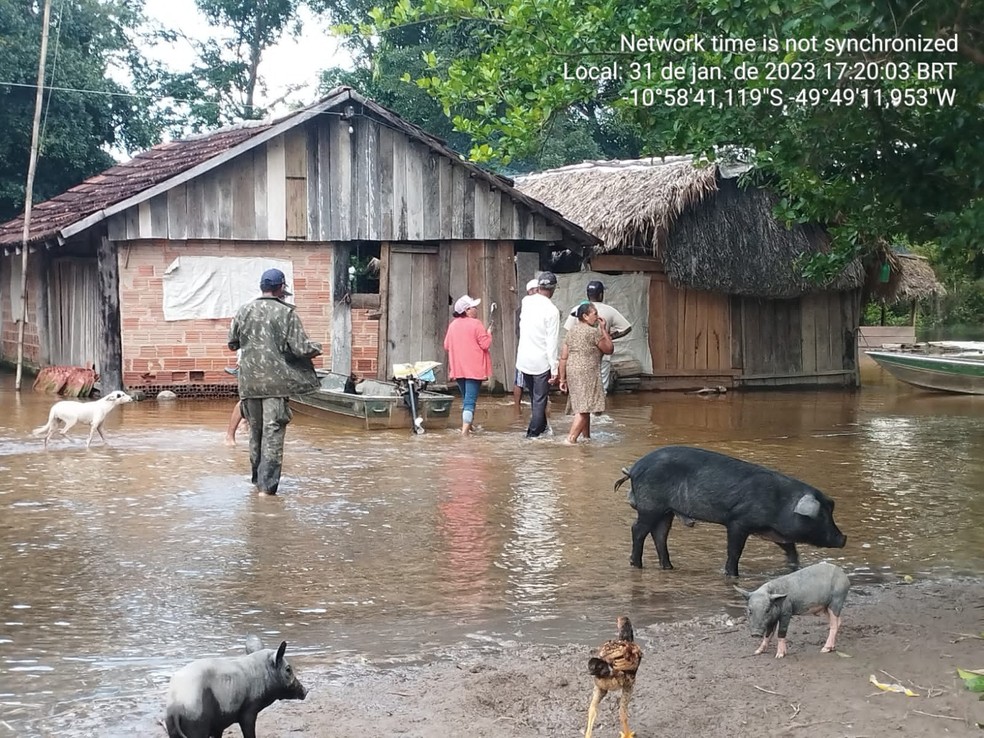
x,y
532,284
464,302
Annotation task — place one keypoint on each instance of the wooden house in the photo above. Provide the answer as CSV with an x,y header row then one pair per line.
x,y
727,303
139,269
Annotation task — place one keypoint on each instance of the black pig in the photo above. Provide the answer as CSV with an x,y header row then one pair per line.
x,y
209,695
746,498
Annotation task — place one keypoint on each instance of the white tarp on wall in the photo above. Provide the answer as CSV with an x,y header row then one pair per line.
x,y
215,286
627,293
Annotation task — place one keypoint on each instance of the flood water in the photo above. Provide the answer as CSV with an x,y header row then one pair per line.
x,y
121,563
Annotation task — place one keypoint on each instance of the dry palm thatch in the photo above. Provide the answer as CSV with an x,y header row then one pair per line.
x,y
910,278
710,234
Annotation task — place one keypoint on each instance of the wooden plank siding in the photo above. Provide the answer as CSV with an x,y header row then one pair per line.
x,y
689,330
320,182
805,341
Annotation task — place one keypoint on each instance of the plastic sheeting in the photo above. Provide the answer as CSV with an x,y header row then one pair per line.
x,y
198,287
627,293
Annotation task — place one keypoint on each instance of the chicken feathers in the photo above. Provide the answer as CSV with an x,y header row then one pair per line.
x,y
614,666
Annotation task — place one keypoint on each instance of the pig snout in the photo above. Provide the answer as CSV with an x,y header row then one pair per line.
x,y
298,690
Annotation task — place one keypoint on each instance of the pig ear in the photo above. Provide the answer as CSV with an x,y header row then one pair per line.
x,y
280,652
808,505
743,592
775,597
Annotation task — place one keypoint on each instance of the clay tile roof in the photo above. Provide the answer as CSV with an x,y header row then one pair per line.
x,y
118,183
164,161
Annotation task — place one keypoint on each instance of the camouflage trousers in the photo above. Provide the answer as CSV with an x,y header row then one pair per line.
x,y
268,418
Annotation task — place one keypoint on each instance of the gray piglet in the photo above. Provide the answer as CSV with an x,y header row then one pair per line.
x,y
209,695
821,588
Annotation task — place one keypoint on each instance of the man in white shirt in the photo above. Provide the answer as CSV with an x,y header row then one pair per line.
x,y
617,325
532,287
537,355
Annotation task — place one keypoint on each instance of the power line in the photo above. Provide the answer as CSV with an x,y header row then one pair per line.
x,y
53,88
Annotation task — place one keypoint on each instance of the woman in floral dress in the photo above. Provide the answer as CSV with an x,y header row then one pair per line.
x,y
580,369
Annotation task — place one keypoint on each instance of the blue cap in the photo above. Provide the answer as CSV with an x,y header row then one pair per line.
x,y
272,279
595,287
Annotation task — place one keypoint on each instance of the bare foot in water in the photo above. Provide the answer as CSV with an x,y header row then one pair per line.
x,y
229,441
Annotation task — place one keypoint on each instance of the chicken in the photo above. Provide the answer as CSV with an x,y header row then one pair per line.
x,y
614,667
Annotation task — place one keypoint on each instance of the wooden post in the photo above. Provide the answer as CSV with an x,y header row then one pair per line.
x,y
44,308
341,310
111,342
382,350
32,165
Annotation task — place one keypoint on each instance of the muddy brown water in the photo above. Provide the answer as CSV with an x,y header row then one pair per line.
x,y
121,563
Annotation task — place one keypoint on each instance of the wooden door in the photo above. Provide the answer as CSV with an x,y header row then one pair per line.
x,y
74,319
415,319
689,330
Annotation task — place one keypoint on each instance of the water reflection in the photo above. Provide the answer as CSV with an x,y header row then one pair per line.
x,y
123,562
533,553
465,525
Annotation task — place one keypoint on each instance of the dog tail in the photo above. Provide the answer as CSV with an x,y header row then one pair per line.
x,y
47,426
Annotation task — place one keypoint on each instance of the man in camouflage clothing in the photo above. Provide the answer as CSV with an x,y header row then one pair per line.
x,y
275,363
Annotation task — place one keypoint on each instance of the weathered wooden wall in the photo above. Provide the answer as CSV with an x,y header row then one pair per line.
x,y
809,340
74,320
689,330
487,270
420,283
704,338
875,336
319,182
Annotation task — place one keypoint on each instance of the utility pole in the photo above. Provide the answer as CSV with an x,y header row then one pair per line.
x,y
29,192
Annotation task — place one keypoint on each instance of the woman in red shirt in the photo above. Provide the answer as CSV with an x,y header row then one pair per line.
x,y
467,343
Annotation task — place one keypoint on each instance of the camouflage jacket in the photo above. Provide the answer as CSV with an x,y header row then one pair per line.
x,y
276,352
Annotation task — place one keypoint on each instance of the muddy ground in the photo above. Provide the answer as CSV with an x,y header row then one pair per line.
x,y
698,678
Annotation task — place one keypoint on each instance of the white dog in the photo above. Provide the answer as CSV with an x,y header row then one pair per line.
x,y
92,414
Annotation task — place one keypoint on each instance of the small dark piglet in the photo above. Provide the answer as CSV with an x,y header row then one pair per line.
x,y
821,588
209,695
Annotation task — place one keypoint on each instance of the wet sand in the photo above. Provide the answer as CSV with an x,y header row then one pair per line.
x,y
698,678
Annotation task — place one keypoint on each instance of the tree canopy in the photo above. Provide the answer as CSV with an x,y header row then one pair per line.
x,y
222,85
853,127
86,112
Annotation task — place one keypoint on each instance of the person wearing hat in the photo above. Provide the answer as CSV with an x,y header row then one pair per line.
x,y
520,381
611,318
537,353
467,343
275,363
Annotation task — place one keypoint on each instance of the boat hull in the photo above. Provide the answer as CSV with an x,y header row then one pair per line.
x,y
379,406
964,375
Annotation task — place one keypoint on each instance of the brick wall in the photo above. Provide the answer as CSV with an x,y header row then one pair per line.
x,y
191,354
365,337
8,331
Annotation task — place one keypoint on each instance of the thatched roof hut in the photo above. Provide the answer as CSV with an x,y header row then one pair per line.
x,y
911,278
709,233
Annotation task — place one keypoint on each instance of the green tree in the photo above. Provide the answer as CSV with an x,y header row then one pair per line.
x,y
862,145
86,112
222,85
396,71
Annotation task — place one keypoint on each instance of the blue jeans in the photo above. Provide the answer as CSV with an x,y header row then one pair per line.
x,y
469,396
538,385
